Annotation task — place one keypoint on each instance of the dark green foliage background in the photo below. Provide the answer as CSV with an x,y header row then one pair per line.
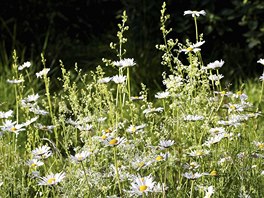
x,y
80,31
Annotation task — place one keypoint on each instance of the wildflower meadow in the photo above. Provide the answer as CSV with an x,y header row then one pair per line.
x,y
97,137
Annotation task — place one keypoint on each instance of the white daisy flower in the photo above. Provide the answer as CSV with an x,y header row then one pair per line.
x,y
191,166
215,77
119,79
24,65
259,145
261,61
142,185
209,192
15,81
52,179
163,144
114,141
31,98
152,110
136,97
85,127
135,129
6,114
261,78
127,62
42,152
42,73
36,110
215,65
161,157
105,80
79,157
195,13
33,163
193,48
12,127
161,95
141,162
199,153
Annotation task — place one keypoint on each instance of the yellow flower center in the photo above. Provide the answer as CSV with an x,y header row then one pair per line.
x,y
13,129
222,92
104,137
189,49
33,165
261,146
113,141
51,180
193,164
233,107
108,130
133,129
159,158
199,153
213,173
143,188
79,157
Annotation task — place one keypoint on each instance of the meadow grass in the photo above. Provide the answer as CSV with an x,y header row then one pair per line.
x,y
96,138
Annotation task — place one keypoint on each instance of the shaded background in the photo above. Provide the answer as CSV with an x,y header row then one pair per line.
x,y
80,31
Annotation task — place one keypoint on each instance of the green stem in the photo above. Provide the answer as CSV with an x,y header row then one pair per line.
x,y
117,173
196,28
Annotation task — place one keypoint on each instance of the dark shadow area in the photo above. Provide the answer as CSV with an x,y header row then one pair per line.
x,y
80,31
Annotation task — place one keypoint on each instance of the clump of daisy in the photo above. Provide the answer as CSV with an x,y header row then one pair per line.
x,y
51,179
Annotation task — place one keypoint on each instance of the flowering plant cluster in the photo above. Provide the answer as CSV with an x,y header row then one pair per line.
x,y
97,138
